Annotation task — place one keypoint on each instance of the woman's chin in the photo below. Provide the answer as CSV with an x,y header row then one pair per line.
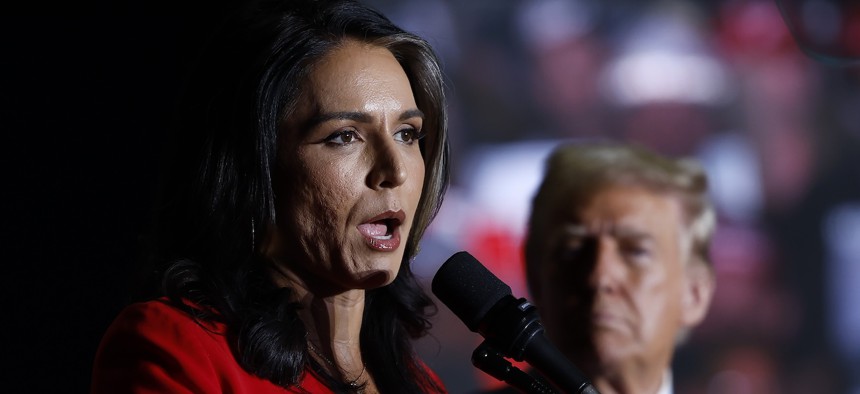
x,y
376,279
378,271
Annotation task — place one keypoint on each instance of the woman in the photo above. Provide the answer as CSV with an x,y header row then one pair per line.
x,y
309,160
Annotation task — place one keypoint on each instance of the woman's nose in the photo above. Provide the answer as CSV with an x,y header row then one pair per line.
x,y
387,169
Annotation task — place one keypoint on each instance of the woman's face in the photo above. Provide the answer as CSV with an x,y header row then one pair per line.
x,y
350,172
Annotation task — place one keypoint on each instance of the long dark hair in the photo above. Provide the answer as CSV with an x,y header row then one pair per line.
x,y
217,198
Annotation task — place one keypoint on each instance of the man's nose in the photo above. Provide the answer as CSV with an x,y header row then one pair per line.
x,y
608,266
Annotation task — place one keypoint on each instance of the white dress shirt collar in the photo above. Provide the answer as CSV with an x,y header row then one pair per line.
x,y
666,386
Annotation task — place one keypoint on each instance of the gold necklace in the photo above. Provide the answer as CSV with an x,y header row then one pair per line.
x,y
353,384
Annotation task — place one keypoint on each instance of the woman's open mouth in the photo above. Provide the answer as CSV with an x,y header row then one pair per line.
x,y
382,232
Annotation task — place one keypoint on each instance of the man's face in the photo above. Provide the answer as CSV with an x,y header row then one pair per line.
x,y
612,289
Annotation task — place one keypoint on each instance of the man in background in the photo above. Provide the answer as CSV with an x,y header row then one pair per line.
x,y
617,261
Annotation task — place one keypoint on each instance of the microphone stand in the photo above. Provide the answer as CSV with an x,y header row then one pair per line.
x,y
518,333
550,362
491,361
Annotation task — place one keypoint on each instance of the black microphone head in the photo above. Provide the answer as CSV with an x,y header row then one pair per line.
x,y
468,288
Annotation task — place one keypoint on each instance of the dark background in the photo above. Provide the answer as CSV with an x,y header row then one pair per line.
x,y
87,93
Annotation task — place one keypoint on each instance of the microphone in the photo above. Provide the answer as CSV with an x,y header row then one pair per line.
x,y
512,326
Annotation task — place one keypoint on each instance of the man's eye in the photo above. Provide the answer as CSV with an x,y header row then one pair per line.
x,y
409,135
639,253
635,251
571,250
343,137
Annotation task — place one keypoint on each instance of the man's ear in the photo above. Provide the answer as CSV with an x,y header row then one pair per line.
x,y
698,290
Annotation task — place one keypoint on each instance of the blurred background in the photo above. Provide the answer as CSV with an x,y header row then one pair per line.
x,y
765,93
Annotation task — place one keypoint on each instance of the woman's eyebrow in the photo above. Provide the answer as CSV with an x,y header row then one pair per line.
x,y
361,117
411,113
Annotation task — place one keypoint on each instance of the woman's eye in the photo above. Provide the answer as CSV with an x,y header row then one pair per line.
x,y
343,137
408,136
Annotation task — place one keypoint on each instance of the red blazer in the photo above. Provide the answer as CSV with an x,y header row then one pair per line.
x,y
153,347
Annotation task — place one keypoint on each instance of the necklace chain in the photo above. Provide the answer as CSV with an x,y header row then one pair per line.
x,y
353,383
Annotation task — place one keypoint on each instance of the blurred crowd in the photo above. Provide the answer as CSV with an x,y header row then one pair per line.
x,y
766,94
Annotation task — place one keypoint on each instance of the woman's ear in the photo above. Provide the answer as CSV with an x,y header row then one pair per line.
x,y
699,285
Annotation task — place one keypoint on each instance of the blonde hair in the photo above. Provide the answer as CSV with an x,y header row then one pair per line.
x,y
575,172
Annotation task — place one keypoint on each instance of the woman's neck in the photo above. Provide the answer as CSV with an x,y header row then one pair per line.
x,y
333,322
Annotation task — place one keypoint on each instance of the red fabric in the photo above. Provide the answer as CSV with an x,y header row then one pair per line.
x,y
153,347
